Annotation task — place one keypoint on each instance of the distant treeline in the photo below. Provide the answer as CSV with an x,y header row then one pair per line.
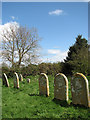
x,y
76,61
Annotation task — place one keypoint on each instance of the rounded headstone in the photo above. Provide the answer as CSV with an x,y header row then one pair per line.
x,y
20,77
16,80
80,90
5,80
28,80
61,87
43,84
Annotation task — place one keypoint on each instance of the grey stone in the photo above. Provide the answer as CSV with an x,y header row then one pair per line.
x,y
5,80
80,90
43,84
16,80
28,80
61,87
20,77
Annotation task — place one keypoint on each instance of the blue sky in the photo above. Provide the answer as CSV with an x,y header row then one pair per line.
x,y
57,23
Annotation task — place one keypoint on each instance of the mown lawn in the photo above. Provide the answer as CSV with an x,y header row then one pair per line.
x,y
26,102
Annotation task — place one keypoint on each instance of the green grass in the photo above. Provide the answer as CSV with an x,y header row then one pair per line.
x,y
26,102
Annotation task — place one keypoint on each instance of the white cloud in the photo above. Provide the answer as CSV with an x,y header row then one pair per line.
x,y
56,12
53,51
55,55
13,17
6,27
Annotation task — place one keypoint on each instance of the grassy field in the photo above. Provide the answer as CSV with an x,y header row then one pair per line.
x,y
26,102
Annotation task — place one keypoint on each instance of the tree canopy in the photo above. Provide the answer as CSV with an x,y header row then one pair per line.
x,y
20,45
77,59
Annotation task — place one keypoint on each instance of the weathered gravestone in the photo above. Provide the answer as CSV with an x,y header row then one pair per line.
x,y
28,80
5,80
61,87
80,90
43,85
21,77
16,80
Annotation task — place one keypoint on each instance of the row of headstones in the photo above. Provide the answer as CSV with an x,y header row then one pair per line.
x,y
79,88
16,80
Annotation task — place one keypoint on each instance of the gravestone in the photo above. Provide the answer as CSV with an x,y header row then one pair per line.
x,y
16,80
80,90
43,85
21,77
61,87
5,80
28,80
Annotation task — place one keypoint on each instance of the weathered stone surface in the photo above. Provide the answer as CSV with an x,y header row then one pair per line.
x,y
80,90
16,80
43,85
21,77
5,80
61,87
28,80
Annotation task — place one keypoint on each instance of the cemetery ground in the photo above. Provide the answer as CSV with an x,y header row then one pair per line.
x,y
25,102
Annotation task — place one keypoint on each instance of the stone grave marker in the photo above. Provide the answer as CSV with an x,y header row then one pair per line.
x,y
80,90
28,80
43,85
21,77
5,80
61,87
16,80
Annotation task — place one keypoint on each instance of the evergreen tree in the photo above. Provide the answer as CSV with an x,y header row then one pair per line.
x,y
77,59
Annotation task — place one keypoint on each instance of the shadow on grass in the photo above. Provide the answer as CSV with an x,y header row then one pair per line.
x,y
33,94
23,82
69,104
76,106
61,102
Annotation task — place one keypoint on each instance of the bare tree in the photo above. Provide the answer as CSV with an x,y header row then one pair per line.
x,y
19,44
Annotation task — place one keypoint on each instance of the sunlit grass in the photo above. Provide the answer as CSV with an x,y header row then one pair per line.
x,y
26,102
